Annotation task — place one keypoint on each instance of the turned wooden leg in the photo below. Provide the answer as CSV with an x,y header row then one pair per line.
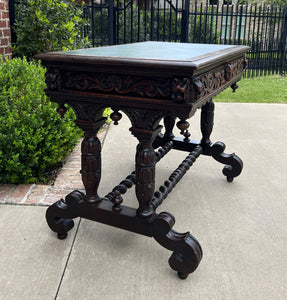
x,y
91,166
91,158
169,123
206,124
162,139
59,215
145,173
145,127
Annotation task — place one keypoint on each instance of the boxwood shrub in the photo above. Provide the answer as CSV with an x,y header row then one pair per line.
x,y
33,137
48,25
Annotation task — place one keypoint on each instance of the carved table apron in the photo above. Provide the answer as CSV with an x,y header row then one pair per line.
x,y
147,81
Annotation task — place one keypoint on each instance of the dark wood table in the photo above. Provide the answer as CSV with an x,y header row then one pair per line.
x,y
148,82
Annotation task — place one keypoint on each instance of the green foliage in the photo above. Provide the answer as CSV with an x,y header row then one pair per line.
x,y
136,25
131,26
48,25
202,29
167,26
100,30
277,2
33,137
107,112
270,2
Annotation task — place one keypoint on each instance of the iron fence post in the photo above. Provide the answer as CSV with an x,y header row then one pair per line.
x,y
239,25
185,22
284,45
152,22
12,21
111,25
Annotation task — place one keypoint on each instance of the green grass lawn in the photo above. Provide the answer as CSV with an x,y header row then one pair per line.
x,y
268,89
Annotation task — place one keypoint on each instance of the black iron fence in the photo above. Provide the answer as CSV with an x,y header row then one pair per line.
x,y
263,28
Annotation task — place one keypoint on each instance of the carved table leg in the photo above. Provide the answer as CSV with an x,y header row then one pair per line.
x,y
187,251
145,127
169,123
162,139
206,123
91,165
233,163
59,215
145,172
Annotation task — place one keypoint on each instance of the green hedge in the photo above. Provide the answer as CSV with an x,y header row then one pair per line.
x,y
33,137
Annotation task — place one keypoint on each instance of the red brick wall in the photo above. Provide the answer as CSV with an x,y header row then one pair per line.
x,y
5,32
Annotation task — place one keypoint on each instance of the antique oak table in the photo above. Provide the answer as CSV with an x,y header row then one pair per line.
x,y
148,82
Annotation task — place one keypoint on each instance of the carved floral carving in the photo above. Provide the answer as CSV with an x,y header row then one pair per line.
x,y
209,82
235,68
181,90
191,89
177,89
52,79
144,119
129,85
86,111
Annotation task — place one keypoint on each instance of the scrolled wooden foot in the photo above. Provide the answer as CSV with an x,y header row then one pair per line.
x,y
187,251
182,275
233,163
59,215
229,179
62,236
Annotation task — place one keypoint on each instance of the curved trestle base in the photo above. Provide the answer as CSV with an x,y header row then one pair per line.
x,y
233,163
187,251
59,215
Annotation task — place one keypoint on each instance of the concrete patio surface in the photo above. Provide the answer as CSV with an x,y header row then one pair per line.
x,y
241,226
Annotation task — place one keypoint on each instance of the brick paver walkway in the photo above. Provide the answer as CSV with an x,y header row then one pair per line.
x,y
68,179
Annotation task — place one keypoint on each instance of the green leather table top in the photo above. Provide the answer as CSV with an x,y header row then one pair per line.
x,y
152,50
159,58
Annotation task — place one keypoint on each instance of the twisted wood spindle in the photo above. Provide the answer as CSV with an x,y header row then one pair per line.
x,y
115,195
175,177
162,151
